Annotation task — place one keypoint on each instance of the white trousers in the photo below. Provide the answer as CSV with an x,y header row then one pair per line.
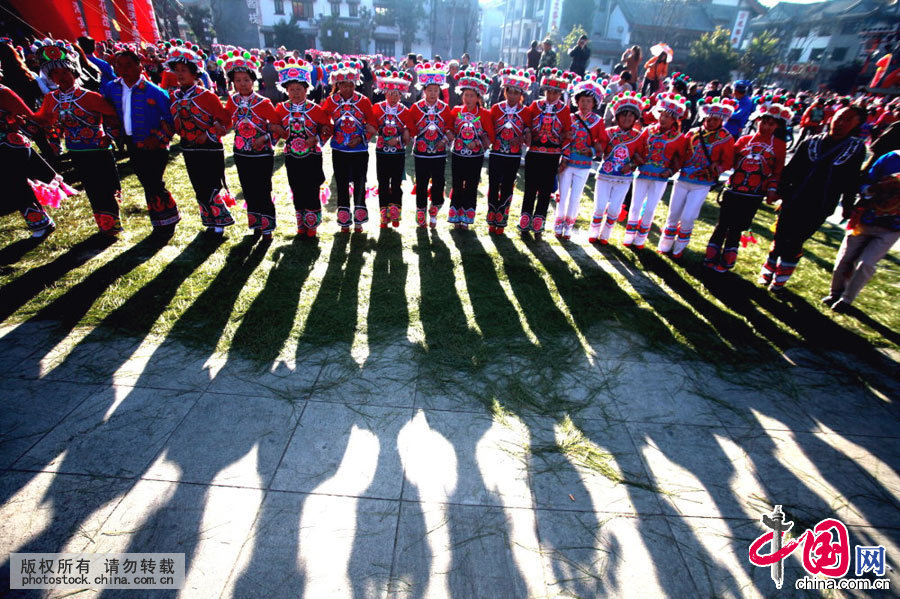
x,y
645,195
608,197
571,186
684,207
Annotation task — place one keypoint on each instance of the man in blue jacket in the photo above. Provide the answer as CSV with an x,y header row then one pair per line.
x,y
745,108
146,128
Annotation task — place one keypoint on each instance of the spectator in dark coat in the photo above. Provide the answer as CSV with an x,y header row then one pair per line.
x,y
534,56
580,54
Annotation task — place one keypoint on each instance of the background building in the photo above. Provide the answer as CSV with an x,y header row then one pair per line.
x,y
826,41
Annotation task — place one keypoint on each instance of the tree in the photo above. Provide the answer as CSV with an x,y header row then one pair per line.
x,y
287,34
759,57
231,20
340,35
408,15
564,61
199,19
712,57
471,26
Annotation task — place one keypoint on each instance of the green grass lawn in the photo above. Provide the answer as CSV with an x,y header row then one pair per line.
x,y
458,294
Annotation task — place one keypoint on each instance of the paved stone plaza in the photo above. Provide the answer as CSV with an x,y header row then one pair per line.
x,y
352,472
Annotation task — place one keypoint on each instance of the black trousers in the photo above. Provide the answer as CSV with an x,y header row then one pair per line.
x,y
100,177
255,175
735,216
389,168
206,170
15,170
466,172
149,166
502,172
305,177
792,229
540,177
351,167
430,170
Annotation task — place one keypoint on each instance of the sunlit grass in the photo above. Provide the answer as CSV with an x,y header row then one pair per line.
x,y
457,295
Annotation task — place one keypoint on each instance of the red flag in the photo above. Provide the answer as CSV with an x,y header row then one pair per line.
x,y
146,20
882,64
97,20
61,19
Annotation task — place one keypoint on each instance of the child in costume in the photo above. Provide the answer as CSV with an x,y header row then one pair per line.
x,y
82,114
617,167
255,122
306,127
15,154
511,134
351,113
391,124
550,122
201,121
473,132
588,140
662,148
758,162
709,153
430,126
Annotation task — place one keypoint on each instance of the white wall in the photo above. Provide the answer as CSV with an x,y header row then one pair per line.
x,y
617,21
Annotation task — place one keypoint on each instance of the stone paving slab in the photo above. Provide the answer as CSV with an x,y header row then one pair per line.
x,y
378,472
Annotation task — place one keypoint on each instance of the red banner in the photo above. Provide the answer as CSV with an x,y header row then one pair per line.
x,y
146,20
125,26
97,20
60,19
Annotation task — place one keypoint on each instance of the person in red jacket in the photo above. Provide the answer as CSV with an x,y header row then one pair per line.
x,y
473,133
550,122
82,115
15,153
758,162
588,141
392,130
354,125
201,121
430,127
661,149
511,134
710,152
307,128
617,166
255,122
812,121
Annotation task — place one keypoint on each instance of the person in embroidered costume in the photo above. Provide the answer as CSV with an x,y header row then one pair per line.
x,y
661,148
550,122
430,127
758,162
354,125
307,127
824,168
617,166
588,141
511,134
391,123
146,128
254,121
15,155
873,229
82,114
473,133
709,153
200,120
